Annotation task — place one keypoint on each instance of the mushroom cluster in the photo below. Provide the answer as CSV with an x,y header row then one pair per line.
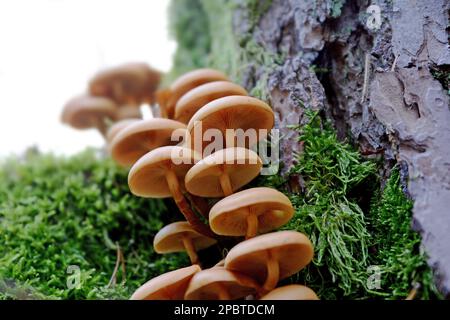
x,y
196,102
113,94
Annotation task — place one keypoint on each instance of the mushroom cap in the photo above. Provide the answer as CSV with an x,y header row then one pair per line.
x,y
84,112
189,81
136,80
147,177
205,285
117,127
142,136
291,292
232,112
168,286
241,165
170,238
196,98
291,249
229,215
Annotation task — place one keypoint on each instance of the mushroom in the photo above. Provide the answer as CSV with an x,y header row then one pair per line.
x,y
249,211
168,286
218,283
231,112
129,85
117,127
271,257
158,174
84,112
196,98
167,98
291,292
180,236
223,172
142,136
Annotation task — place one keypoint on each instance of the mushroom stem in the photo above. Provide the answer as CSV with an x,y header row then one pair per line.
x,y
222,293
190,249
200,204
252,225
102,127
225,183
184,206
273,273
129,111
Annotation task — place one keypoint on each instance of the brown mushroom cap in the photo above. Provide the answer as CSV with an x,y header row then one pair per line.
x,y
238,164
130,83
196,98
117,127
170,238
291,292
84,112
229,216
189,81
231,112
291,250
219,284
168,286
142,136
147,177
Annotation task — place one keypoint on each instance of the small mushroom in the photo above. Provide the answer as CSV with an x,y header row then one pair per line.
x,y
220,284
142,136
160,174
291,292
223,172
249,211
85,112
231,112
196,98
117,127
271,257
180,236
126,84
168,98
168,286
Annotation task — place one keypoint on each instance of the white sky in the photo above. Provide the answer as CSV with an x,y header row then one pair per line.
x,y
50,48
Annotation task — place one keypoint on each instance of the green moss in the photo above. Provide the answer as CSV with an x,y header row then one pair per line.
x,y
396,247
57,212
354,226
329,213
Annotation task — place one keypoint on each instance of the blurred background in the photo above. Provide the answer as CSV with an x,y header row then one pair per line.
x,y
56,46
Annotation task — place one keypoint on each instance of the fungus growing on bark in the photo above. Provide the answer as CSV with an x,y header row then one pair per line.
x,y
160,174
250,211
85,112
223,172
179,237
271,257
168,286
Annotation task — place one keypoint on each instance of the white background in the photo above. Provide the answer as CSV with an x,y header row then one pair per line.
x,y
50,48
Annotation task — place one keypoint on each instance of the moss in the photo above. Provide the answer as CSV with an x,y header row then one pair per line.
x,y
330,213
57,212
396,247
353,225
